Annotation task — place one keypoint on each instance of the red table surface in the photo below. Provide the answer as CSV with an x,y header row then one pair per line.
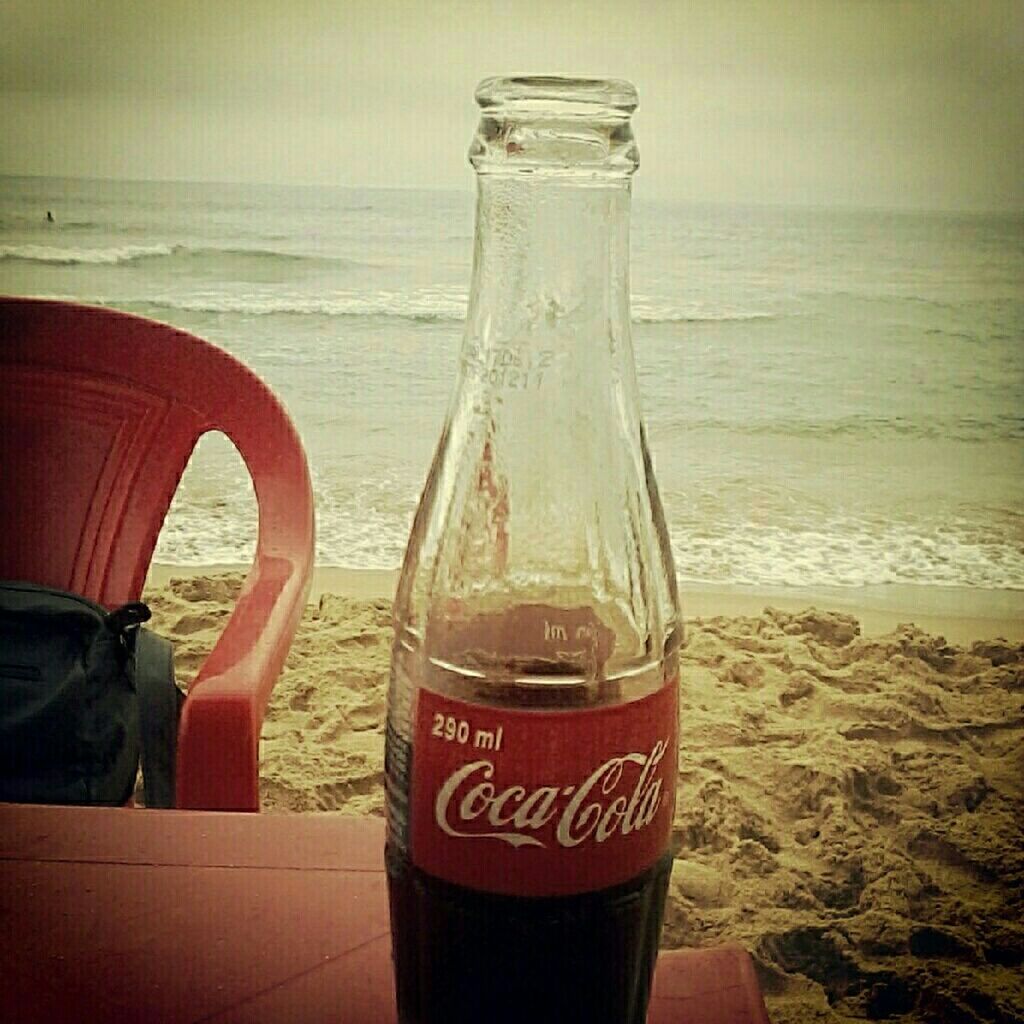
x,y
179,916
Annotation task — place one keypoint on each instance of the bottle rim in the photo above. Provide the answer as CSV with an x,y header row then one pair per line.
x,y
610,95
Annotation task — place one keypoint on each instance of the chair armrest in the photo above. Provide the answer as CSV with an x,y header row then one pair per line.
x,y
219,734
218,738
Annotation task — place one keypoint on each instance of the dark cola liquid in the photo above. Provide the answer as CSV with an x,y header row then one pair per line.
x,y
467,957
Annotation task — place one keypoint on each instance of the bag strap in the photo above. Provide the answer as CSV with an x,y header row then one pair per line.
x,y
160,704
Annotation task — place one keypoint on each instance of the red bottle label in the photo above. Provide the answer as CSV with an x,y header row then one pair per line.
x,y
542,803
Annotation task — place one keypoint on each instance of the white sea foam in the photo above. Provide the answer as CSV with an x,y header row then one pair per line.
x,y
846,553
360,526
422,304
364,517
369,530
74,255
655,311
219,256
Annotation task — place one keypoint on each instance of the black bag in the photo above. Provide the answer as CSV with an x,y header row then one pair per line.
x,y
83,694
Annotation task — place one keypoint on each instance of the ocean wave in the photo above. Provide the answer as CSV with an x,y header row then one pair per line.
x,y
365,525
848,553
970,429
22,220
276,255
645,311
428,307
117,254
77,225
425,305
71,255
359,537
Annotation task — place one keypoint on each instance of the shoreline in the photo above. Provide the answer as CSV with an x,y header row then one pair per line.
x,y
959,614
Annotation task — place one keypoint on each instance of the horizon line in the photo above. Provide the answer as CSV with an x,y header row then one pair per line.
x,y
684,201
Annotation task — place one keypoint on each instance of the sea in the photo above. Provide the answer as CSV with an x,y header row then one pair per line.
x,y
833,397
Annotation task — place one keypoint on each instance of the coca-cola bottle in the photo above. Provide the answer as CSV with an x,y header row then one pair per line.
x,y
532,716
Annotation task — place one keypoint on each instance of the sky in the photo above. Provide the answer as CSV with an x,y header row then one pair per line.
x,y
881,103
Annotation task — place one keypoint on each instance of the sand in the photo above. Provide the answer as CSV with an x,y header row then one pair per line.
x,y
850,800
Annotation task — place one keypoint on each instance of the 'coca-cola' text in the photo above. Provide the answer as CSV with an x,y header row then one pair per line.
x,y
620,796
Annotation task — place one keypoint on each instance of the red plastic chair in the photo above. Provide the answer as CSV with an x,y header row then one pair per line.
x,y
99,413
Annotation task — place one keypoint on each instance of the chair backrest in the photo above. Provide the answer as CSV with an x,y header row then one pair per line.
x,y
99,413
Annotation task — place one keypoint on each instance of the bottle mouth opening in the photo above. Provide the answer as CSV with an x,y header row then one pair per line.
x,y
555,125
567,95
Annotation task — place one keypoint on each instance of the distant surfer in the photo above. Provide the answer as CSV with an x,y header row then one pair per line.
x,y
49,216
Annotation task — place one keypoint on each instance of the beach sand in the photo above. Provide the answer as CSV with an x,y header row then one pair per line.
x,y
851,788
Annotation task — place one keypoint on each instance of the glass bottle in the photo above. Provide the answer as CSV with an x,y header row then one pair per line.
x,y
532,715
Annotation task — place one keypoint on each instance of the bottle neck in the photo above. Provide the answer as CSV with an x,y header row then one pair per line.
x,y
546,406
550,279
